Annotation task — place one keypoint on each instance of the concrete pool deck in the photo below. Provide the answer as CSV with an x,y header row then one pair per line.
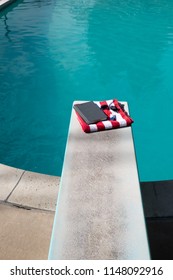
x,y
27,207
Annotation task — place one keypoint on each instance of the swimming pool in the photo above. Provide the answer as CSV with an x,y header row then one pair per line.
x,y
54,52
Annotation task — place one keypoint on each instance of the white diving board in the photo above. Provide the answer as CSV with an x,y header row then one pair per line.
x,y
99,213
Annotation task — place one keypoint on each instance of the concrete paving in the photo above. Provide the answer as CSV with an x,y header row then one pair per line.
x,y
36,191
9,177
25,234
27,208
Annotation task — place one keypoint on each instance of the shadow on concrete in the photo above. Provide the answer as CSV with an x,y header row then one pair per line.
x,y
158,210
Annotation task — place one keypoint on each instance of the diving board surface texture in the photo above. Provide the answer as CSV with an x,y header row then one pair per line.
x,y
99,213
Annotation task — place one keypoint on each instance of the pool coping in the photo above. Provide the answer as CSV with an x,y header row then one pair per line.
x,y
5,3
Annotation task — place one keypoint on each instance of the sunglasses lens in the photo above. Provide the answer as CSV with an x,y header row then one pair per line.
x,y
104,107
114,108
121,105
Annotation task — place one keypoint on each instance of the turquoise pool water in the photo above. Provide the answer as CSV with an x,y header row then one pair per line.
x,y
54,52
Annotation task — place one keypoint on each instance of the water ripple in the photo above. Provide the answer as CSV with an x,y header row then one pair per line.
x,y
53,52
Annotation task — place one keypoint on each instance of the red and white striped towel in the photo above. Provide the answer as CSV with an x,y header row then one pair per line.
x,y
122,118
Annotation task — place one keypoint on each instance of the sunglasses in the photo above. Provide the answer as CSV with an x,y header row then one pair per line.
x,y
113,107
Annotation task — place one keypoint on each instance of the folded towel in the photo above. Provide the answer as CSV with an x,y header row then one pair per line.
x,y
116,118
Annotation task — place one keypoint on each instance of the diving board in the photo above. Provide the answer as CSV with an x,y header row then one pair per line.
x,y
99,213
